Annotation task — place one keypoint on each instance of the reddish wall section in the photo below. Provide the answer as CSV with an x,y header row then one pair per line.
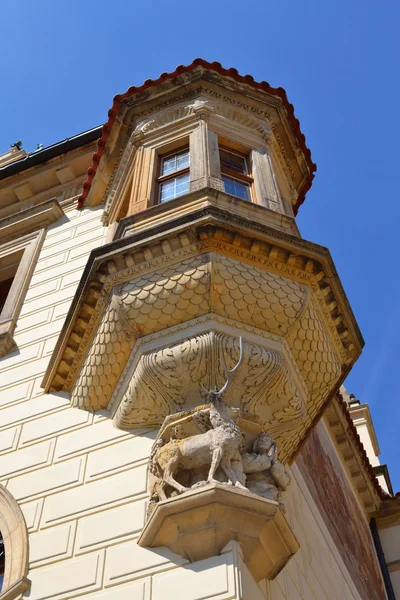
x,y
330,489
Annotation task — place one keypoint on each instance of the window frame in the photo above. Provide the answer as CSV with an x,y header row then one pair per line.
x,y
245,178
30,246
163,178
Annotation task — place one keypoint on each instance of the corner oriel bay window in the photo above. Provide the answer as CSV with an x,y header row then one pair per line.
x,y
235,174
174,175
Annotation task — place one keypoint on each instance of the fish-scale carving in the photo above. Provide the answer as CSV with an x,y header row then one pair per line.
x,y
314,352
103,365
145,305
167,297
256,297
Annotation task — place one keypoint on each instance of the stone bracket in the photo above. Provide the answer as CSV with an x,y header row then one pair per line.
x,y
201,522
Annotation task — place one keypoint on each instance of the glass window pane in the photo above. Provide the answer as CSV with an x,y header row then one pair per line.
x,y
232,161
168,165
174,187
236,188
182,185
175,162
182,160
168,190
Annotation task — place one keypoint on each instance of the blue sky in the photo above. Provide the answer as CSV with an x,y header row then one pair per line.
x,y
62,63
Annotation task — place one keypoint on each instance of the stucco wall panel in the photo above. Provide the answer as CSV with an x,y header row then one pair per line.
x,y
68,578
51,545
205,579
48,480
120,456
53,425
110,526
129,561
32,511
101,434
94,496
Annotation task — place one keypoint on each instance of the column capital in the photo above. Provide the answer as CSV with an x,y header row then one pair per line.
x,y
203,111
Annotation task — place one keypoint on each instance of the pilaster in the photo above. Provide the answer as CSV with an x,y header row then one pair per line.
x,y
205,170
265,181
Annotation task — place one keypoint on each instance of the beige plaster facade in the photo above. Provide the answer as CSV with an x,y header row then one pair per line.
x,y
120,316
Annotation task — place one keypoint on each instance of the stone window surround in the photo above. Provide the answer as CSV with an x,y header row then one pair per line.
x,y
15,536
30,246
205,170
201,129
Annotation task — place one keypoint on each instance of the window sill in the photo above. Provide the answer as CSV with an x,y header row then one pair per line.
x,y
16,590
7,342
198,199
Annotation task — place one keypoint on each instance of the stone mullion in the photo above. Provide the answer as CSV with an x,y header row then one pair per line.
x,y
142,181
265,181
205,168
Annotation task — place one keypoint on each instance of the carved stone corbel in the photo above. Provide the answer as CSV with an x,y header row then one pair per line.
x,y
214,476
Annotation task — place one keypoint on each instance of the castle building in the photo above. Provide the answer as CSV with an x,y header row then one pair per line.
x,y
173,421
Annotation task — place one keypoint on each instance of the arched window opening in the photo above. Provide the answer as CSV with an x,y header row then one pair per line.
x,y
13,547
2,561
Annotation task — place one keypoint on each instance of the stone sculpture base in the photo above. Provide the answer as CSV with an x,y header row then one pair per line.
x,y
201,522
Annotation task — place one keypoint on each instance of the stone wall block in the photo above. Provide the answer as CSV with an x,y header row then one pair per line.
x,y
99,435
210,578
51,545
47,480
109,526
32,511
67,579
94,496
54,425
14,463
119,456
129,561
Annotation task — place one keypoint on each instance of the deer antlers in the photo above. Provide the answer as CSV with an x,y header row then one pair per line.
x,y
230,373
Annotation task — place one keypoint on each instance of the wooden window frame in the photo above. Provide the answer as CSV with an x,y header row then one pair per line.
x,y
245,178
163,178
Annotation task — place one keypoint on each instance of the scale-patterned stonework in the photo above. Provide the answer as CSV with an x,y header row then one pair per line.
x,y
279,375
173,295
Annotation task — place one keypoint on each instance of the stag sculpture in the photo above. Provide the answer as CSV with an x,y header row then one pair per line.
x,y
220,446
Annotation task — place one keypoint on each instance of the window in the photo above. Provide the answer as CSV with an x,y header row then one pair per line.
x,y
5,287
17,261
8,269
235,174
174,175
14,548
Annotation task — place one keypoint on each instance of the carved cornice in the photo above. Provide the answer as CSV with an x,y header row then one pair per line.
x,y
207,103
353,455
262,117
30,219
